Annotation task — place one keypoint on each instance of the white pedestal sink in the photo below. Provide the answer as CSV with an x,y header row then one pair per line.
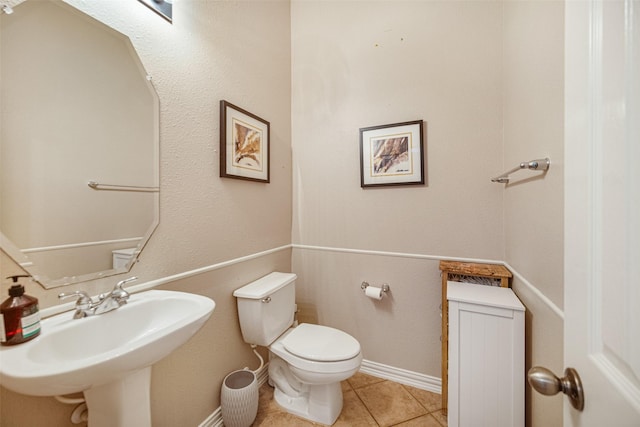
x,y
107,357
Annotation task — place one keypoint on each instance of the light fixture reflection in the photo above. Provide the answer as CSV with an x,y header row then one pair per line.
x,y
161,7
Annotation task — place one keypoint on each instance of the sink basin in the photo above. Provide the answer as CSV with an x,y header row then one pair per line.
x,y
79,355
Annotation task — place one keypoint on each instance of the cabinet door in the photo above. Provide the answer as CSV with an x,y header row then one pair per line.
x,y
486,366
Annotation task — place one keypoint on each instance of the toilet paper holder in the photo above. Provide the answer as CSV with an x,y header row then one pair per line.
x,y
385,288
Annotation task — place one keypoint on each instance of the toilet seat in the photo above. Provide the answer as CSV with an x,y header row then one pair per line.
x,y
318,366
321,343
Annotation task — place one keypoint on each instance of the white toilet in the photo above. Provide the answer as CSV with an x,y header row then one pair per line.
x,y
307,362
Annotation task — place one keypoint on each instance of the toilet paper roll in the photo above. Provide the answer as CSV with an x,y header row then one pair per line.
x,y
373,292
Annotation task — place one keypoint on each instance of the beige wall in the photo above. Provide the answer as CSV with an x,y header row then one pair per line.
x,y
533,64
389,62
351,66
238,51
213,51
185,386
487,78
401,331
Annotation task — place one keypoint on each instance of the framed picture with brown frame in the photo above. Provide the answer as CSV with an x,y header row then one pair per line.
x,y
244,144
392,154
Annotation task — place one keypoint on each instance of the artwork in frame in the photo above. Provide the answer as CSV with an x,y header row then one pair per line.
x,y
244,144
392,154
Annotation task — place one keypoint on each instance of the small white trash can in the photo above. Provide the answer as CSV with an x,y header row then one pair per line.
x,y
239,399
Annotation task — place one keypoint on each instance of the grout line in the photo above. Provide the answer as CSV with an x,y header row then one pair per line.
x,y
364,405
429,412
381,380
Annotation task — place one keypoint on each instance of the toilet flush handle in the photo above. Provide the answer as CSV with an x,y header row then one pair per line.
x,y
266,300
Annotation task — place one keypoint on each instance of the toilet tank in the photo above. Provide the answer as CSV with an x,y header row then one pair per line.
x,y
266,307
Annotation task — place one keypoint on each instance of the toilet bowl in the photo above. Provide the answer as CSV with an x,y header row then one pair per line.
x,y
306,366
318,354
306,362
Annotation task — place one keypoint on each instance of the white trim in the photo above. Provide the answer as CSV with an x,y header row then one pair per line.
x,y
197,271
262,374
79,245
537,292
394,254
50,311
402,376
619,380
213,420
594,149
56,309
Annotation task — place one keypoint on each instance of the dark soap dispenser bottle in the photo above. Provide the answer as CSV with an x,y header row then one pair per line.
x,y
19,315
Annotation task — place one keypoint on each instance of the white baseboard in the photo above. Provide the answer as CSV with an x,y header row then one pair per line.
x,y
213,420
402,376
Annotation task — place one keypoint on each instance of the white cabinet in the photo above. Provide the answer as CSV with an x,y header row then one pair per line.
x,y
486,356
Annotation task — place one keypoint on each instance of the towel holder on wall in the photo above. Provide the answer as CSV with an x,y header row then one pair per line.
x,y
537,165
113,187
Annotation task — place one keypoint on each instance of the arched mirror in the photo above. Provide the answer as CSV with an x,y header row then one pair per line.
x,y
77,107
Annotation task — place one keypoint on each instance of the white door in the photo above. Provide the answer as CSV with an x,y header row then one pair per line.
x,y
602,209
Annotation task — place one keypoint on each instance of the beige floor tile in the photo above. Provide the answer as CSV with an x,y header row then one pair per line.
x,y
390,403
281,419
423,421
270,414
354,413
442,419
431,401
368,402
266,403
345,386
361,380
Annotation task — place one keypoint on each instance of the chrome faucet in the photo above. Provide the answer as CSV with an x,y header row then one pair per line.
x,y
85,306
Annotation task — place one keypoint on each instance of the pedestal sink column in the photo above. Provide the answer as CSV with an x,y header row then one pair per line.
x,y
122,403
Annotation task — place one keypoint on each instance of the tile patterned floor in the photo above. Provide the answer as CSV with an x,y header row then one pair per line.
x,y
368,401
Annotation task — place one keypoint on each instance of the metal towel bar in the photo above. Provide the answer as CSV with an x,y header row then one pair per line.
x,y
539,165
112,187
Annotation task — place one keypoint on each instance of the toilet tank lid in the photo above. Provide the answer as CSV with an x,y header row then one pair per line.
x,y
265,286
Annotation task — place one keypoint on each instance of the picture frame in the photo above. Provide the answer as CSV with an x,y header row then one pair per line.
x,y
244,144
392,154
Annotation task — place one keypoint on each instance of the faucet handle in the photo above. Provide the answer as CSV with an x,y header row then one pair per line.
x,y
122,282
84,300
119,293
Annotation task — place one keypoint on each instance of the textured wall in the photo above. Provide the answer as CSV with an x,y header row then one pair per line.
x,y
353,66
390,62
213,51
533,207
238,51
489,85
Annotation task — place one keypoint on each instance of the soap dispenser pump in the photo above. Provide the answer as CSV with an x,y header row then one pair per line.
x,y
19,315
